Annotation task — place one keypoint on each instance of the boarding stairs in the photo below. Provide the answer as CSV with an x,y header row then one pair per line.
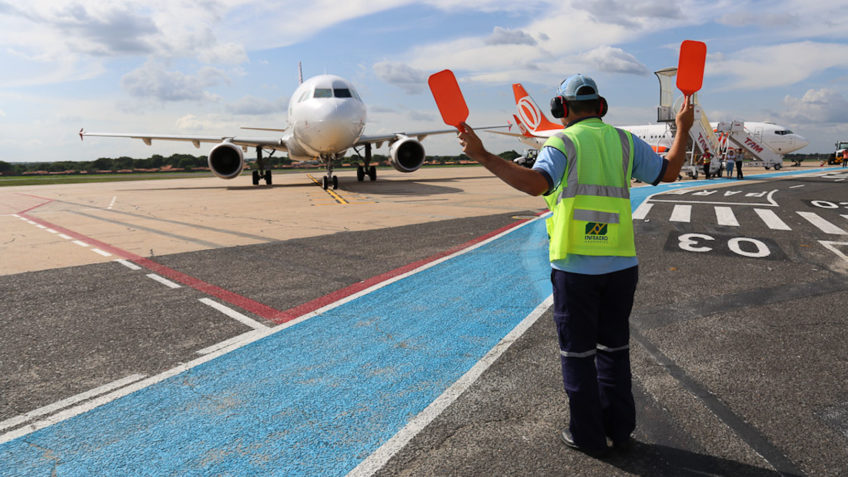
x,y
736,134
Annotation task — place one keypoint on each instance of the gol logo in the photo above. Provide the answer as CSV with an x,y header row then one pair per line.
x,y
530,114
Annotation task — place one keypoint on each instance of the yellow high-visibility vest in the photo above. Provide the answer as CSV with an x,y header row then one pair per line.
x,y
591,205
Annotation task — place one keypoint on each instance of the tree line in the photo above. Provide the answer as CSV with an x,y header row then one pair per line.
x,y
182,162
188,162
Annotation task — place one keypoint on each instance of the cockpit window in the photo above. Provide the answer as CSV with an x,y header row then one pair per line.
x,y
303,97
783,132
323,93
341,93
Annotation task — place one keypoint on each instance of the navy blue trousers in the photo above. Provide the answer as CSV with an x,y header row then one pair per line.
x,y
592,315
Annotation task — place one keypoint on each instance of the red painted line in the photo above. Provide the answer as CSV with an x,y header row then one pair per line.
x,y
252,306
342,293
36,206
245,303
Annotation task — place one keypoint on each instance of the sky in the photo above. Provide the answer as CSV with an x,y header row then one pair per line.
x,y
209,67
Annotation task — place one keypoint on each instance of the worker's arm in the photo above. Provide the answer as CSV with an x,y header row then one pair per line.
x,y
677,153
526,180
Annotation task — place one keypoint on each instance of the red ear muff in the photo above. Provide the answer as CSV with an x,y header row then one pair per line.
x,y
602,106
559,107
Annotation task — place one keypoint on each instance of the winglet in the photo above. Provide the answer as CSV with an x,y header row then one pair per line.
x,y
82,133
531,116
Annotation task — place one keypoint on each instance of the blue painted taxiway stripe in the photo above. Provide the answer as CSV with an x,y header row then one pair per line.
x,y
320,396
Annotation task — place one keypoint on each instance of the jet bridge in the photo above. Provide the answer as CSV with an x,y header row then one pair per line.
x,y
736,134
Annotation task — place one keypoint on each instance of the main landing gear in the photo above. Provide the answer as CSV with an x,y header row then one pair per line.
x,y
261,171
362,170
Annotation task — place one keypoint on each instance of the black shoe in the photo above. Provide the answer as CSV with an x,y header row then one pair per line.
x,y
566,438
623,445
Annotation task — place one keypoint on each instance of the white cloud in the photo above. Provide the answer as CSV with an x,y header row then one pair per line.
x,y
251,105
505,36
614,60
777,65
817,106
152,80
410,79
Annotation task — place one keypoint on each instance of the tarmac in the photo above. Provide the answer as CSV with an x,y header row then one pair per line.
x,y
737,337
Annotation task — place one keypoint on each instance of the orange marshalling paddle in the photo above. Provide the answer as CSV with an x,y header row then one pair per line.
x,y
690,67
448,98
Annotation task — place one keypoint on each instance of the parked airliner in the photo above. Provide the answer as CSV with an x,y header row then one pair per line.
x,y
536,128
326,118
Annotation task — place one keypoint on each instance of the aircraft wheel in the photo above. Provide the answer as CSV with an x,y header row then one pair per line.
x,y
372,173
335,182
268,177
360,173
777,166
255,177
324,182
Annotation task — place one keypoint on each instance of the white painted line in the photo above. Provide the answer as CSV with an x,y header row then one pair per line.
x,y
18,216
128,264
80,243
163,280
17,420
65,237
249,338
112,203
681,213
378,459
724,216
40,226
52,231
797,186
642,211
822,224
233,314
772,220
832,247
227,343
101,252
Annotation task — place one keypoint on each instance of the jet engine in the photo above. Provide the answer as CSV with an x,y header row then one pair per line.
x,y
406,154
226,160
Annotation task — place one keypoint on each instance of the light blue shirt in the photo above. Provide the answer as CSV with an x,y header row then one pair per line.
x,y
647,167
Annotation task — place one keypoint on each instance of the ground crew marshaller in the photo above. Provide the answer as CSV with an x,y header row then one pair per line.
x,y
584,173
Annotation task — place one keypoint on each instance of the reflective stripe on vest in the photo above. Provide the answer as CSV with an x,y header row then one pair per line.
x,y
592,218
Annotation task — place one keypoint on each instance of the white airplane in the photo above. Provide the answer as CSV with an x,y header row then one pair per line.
x,y
536,127
326,117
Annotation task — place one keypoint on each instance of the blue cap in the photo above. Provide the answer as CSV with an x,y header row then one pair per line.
x,y
578,83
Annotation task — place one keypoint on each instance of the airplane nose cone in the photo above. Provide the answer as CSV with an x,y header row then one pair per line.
x,y
330,136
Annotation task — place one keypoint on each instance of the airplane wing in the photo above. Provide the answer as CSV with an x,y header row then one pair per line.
x,y
270,143
379,139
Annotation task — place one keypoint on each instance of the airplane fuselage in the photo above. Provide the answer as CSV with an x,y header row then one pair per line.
x,y
776,137
326,117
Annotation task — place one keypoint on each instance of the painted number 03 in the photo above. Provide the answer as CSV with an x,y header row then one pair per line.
x,y
746,247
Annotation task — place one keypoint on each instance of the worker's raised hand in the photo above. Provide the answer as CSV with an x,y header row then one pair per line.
x,y
686,116
471,144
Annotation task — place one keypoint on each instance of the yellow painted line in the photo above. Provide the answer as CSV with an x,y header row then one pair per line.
x,y
339,199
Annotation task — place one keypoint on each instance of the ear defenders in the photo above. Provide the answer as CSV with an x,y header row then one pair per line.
x,y
559,107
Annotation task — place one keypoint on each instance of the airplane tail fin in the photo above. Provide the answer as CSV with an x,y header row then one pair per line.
x,y
531,115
